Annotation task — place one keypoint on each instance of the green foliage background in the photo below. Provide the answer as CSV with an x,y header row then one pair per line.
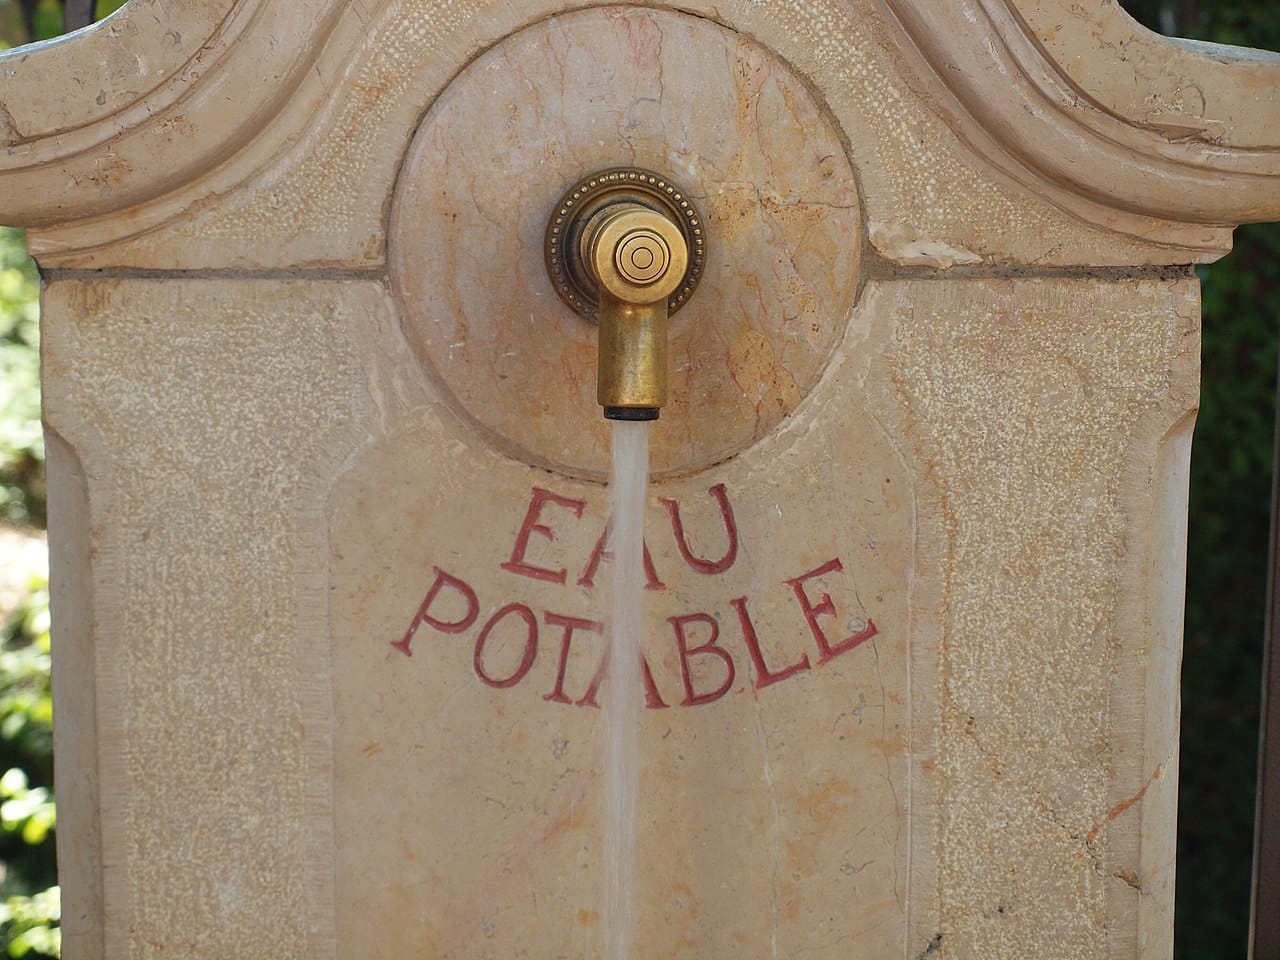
x,y
22,21
1230,501
29,907
1231,465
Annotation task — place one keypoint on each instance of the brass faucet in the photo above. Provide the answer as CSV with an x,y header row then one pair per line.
x,y
618,250
637,257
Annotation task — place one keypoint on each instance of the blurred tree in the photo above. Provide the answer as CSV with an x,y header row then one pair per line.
x,y
30,910
21,440
22,21
76,14
28,11
29,903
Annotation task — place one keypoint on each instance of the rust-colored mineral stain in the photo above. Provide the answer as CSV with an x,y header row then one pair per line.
x,y
827,801
1121,807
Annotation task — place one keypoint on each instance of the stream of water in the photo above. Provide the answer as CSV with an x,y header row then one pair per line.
x,y
628,484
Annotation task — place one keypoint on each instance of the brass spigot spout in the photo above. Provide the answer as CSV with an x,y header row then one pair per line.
x,y
625,247
638,257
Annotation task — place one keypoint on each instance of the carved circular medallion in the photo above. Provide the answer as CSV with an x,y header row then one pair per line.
x,y
639,88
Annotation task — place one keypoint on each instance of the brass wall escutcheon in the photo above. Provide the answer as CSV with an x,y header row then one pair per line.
x,y
625,248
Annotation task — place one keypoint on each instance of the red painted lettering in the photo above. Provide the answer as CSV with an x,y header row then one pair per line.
x,y
444,626
708,648
764,676
825,607
588,578
570,624
517,563
530,645
730,529
652,699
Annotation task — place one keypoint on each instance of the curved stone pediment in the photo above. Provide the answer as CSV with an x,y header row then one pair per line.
x,y
1081,134
163,109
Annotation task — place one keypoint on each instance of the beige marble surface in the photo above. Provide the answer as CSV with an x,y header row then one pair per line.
x,y
985,709
192,673
735,129
325,511
774,792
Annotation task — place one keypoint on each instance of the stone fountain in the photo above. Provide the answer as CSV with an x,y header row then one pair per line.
x,y
328,526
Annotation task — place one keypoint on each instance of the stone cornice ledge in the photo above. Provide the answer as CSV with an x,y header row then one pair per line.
x,y
980,61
